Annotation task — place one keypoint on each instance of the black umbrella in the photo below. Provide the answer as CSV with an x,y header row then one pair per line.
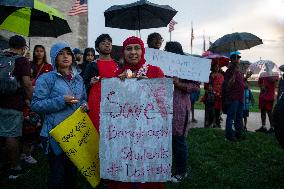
x,y
235,41
38,20
139,15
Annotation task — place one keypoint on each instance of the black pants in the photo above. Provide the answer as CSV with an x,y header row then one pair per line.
x,y
62,172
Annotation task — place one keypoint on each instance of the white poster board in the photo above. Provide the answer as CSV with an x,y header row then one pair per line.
x,y
182,66
136,130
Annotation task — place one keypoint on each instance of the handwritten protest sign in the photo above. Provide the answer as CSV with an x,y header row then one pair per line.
x,y
136,130
182,66
79,139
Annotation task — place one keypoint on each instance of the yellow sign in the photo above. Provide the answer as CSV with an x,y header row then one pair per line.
x,y
79,139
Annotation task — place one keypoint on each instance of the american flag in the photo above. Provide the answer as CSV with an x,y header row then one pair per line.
x,y
172,25
79,7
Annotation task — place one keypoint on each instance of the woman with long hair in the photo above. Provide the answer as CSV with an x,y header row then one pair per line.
x,y
39,63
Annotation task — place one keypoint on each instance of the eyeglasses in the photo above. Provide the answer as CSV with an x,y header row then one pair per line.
x,y
106,43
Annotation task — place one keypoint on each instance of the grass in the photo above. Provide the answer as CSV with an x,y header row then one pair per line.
x,y
200,106
256,162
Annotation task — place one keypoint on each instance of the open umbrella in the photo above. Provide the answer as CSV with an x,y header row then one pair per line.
x,y
37,19
139,15
235,41
281,68
216,58
264,68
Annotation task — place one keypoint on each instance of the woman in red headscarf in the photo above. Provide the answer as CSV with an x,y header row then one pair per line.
x,y
135,66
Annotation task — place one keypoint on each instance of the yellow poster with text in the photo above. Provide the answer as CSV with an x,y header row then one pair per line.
x,y
79,140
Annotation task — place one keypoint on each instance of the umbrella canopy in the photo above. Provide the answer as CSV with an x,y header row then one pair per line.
x,y
139,15
235,41
40,20
264,68
216,58
281,68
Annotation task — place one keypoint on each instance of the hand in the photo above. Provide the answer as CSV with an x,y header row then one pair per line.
x,y
84,107
122,76
142,77
248,74
70,100
94,80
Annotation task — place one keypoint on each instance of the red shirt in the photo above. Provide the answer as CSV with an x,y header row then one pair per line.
x,y
16,100
107,69
39,69
267,85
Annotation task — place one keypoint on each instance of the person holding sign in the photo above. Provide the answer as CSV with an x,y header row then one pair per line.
x,y
57,95
181,112
133,52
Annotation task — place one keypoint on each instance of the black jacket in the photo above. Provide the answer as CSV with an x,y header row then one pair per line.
x,y
278,120
90,71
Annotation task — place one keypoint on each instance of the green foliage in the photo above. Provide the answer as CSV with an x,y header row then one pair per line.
x,y
200,106
215,163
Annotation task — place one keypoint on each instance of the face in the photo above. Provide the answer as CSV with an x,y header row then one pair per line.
x,y
90,57
156,43
105,47
24,50
216,68
238,60
78,57
39,53
64,59
133,54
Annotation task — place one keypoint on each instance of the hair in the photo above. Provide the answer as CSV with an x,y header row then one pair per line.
x,y
101,38
153,36
17,42
87,50
44,57
174,47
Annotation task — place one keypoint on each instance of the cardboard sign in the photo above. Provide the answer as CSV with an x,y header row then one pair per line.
x,y
79,140
182,66
136,130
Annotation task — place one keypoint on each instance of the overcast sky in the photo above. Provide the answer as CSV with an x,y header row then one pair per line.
x,y
264,18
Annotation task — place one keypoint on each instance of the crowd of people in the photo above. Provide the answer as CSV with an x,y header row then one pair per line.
x,y
46,94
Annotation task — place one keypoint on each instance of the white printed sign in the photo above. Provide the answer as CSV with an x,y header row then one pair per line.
x,y
136,130
182,66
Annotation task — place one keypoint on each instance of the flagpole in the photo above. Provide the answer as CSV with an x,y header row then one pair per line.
x,y
191,39
204,44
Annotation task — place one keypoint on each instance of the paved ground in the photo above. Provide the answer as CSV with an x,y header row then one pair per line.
x,y
254,121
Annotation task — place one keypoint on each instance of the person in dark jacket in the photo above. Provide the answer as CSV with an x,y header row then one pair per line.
x,y
88,57
281,82
278,120
233,95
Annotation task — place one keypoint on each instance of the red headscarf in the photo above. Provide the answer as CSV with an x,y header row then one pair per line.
x,y
134,40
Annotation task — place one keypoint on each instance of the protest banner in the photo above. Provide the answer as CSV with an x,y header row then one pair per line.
x,y
136,130
182,66
79,140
